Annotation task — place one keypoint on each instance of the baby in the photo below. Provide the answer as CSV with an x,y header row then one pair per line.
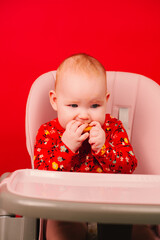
x,y
83,138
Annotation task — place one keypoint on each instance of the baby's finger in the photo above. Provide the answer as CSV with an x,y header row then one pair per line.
x,y
92,141
69,124
81,128
95,124
95,148
83,137
75,125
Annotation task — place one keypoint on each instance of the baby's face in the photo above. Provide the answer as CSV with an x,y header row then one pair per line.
x,y
81,97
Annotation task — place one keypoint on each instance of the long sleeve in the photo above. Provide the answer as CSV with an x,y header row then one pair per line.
x,y
50,153
116,156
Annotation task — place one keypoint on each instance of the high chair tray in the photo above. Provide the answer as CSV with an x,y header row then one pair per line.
x,y
113,198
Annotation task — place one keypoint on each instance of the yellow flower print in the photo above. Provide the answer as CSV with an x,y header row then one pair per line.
x,y
46,132
103,149
34,158
54,165
99,170
125,140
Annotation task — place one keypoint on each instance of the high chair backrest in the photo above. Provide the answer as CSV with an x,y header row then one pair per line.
x,y
134,99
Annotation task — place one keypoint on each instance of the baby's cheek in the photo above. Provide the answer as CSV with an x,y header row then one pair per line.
x,y
100,116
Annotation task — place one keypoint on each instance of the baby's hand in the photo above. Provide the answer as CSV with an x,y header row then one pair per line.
x,y
73,137
97,136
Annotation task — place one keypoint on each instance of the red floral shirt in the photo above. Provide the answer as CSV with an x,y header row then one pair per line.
x,y
116,155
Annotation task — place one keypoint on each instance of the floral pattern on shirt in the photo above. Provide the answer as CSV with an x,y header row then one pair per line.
x,y
116,155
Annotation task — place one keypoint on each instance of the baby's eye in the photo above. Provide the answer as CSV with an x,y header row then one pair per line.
x,y
73,105
95,105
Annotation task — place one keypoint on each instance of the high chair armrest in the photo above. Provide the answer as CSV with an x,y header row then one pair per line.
x,y
4,175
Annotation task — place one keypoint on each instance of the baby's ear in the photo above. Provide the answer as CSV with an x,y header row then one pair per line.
x,y
53,99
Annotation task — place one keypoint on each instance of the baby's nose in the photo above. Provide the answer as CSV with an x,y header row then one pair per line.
x,y
84,115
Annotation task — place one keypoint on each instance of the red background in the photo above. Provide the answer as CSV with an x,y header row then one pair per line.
x,y
37,35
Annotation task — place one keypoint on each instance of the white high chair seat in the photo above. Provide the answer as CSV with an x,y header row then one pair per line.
x,y
135,100
139,96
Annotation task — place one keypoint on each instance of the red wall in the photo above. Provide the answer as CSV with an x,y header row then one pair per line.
x,y
37,35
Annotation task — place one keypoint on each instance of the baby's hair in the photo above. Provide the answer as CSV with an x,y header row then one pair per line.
x,y
80,63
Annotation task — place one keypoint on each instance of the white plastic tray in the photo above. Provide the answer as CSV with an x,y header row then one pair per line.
x,y
108,198
86,187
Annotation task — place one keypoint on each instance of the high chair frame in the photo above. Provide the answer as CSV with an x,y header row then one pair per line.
x,y
135,101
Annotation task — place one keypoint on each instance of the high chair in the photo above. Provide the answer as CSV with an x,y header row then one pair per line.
x,y
120,198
